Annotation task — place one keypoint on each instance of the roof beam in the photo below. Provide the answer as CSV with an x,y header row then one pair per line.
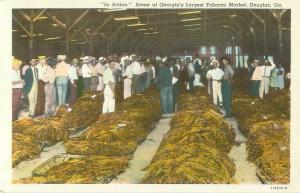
x,y
279,13
39,14
78,19
85,37
57,21
282,12
135,40
78,31
126,36
112,36
22,26
25,16
103,24
256,15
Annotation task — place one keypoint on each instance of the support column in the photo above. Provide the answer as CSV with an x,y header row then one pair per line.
x,y
31,50
280,54
255,46
91,45
265,41
67,35
67,42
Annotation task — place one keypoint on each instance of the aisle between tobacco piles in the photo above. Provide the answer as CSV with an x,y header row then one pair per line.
x,y
144,154
245,171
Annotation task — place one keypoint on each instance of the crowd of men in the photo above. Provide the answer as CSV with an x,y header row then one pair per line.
x,y
263,74
48,83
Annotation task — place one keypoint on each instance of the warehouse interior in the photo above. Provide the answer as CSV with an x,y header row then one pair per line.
x,y
148,32
135,144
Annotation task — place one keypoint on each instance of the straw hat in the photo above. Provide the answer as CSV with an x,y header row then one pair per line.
x,y
61,57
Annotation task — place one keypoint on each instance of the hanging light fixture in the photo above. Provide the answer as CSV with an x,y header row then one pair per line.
x,y
192,19
126,18
188,12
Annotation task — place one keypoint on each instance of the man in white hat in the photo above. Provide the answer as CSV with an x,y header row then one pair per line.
x,y
127,78
73,77
136,74
100,71
109,90
217,76
86,73
158,58
266,69
62,78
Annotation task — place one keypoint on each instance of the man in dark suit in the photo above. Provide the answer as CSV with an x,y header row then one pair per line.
x,y
31,86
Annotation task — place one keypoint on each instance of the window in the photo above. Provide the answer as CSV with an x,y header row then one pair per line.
x,y
228,50
203,50
237,50
270,58
213,51
242,64
245,61
236,61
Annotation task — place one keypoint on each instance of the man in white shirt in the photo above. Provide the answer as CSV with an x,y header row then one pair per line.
x,y
41,66
266,69
256,78
86,73
50,91
136,74
100,71
73,77
109,91
191,74
17,85
143,77
127,78
217,75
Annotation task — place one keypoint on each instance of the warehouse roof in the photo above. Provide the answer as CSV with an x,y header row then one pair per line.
x,y
150,28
